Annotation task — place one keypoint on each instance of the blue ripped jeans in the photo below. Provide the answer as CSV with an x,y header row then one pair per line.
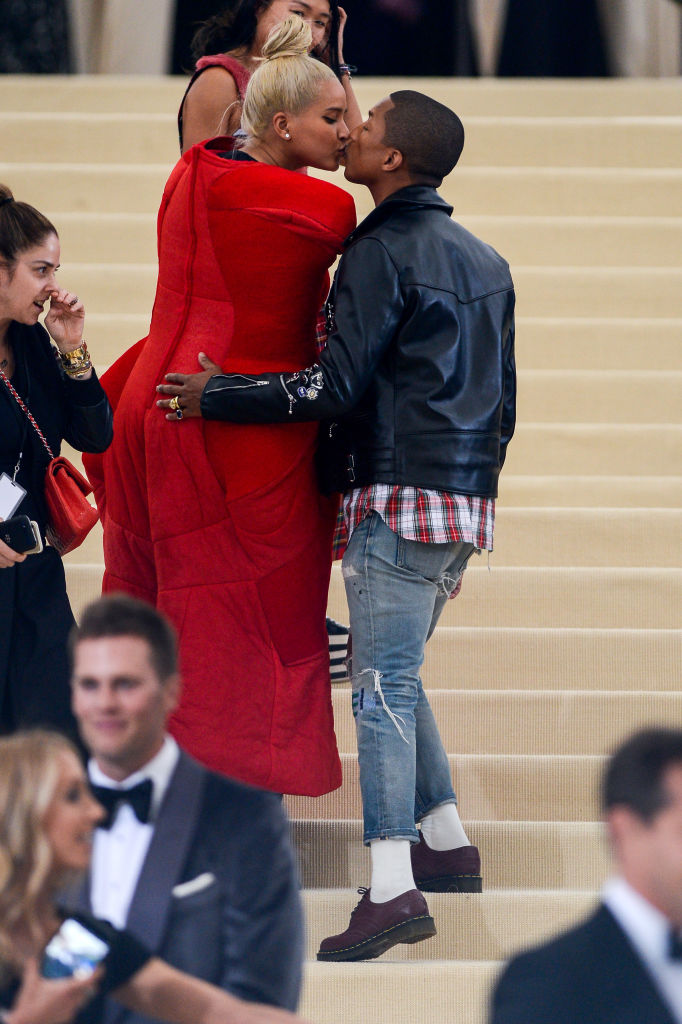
x,y
396,591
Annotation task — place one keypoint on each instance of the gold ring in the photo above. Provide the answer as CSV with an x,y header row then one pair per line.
x,y
175,403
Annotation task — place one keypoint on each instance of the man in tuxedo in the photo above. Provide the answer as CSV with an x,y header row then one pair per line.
x,y
198,866
624,964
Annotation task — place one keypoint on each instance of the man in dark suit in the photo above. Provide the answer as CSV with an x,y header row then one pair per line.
x,y
624,964
198,866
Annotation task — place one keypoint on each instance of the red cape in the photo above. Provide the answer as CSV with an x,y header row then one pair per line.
x,y
221,526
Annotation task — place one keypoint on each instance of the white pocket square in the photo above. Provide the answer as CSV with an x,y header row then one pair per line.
x,y
194,885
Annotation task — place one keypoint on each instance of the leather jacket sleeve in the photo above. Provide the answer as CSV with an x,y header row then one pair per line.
x,y
365,310
508,420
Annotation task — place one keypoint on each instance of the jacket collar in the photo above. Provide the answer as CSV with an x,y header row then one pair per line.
x,y
411,197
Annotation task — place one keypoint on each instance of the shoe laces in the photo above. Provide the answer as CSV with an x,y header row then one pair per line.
x,y
361,891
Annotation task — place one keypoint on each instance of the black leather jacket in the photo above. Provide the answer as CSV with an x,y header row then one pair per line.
x,y
419,367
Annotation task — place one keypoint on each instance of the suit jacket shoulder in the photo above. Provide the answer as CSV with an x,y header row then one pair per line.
x,y
590,974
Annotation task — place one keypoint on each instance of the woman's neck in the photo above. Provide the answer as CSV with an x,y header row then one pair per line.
x,y
267,153
6,354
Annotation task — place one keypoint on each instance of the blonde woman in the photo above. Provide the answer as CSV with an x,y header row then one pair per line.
x,y
224,528
47,818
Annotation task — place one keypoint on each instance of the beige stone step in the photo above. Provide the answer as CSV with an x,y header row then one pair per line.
x,y
541,291
546,97
576,141
555,536
590,491
484,926
514,854
66,188
489,787
576,536
377,991
613,241
600,396
572,241
559,722
594,598
599,291
62,186
479,657
599,343
571,191
109,237
643,449
129,137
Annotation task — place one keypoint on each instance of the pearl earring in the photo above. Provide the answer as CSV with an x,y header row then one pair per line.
x,y
286,135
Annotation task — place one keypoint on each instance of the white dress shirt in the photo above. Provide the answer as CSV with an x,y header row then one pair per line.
x,y
119,852
649,931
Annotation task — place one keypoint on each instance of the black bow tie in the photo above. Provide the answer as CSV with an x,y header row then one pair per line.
x,y
674,945
139,797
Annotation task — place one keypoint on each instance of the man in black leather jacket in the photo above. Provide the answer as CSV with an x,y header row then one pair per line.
x,y
417,385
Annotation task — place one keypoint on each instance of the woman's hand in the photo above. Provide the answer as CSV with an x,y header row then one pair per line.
x,y
65,320
187,388
322,50
8,556
50,1001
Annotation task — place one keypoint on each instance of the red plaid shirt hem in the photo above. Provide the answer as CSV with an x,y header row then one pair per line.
x,y
432,517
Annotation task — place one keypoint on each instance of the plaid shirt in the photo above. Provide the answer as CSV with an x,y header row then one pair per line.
x,y
433,517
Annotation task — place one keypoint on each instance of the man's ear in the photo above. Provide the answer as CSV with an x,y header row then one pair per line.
x,y
172,687
393,161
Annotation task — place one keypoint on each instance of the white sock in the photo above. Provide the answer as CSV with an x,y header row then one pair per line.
x,y
442,829
391,869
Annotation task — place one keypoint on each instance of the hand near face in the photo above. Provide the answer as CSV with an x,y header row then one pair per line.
x,y
51,1001
65,319
188,389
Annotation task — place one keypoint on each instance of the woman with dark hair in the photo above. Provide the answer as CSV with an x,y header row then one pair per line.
x,y
47,821
55,381
228,48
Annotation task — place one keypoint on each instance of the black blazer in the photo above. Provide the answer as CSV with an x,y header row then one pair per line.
x,y
589,975
238,924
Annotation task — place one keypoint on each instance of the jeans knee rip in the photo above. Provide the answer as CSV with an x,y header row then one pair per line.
x,y
366,700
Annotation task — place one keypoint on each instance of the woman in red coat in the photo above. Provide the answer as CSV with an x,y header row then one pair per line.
x,y
223,527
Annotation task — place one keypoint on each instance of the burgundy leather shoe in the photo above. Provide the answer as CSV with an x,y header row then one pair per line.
x,y
375,927
446,870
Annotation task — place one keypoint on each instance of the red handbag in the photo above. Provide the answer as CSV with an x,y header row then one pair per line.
x,y
70,514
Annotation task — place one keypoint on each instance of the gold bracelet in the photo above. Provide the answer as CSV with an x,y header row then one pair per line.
x,y
75,374
77,361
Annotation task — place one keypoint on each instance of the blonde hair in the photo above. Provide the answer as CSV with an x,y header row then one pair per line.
x,y
29,772
288,78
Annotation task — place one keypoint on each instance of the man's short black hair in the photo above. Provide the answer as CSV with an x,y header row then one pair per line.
x,y
429,135
116,615
634,775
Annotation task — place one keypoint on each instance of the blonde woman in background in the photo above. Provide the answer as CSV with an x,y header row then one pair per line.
x,y
47,818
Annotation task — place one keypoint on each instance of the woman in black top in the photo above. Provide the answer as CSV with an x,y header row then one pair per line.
x,y
47,819
61,390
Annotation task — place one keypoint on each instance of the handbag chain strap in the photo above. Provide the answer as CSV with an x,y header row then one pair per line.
x,y
22,405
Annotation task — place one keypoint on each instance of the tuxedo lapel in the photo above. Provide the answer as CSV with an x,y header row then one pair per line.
x,y
622,962
172,838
